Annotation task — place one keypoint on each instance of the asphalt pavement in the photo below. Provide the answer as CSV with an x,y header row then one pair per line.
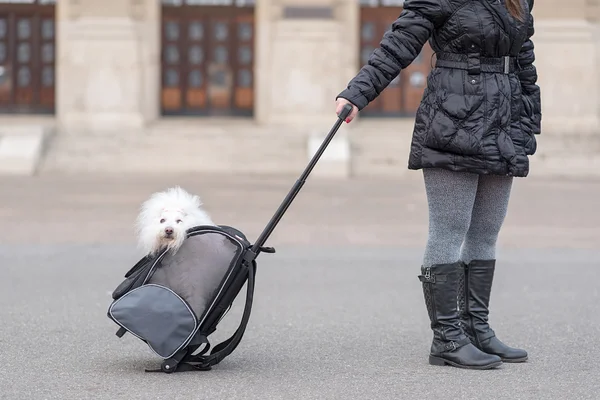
x,y
338,312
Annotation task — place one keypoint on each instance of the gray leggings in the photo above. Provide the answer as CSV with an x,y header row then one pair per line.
x,y
466,212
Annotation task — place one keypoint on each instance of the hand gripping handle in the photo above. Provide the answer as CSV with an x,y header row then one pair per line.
x,y
346,111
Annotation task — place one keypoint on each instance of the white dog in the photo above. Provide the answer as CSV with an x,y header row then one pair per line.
x,y
166,216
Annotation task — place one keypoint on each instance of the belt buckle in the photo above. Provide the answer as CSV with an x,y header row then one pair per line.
x,y
506,64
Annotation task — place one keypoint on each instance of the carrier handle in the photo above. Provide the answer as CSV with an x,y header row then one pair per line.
x,y
346,111
257,247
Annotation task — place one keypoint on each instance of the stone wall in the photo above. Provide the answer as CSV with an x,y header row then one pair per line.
x,y
107,65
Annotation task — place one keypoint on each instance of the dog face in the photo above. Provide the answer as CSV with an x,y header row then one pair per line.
x,y
170,228
165,218
173,222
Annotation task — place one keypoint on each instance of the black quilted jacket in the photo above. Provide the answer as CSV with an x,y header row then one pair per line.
x,y
481,107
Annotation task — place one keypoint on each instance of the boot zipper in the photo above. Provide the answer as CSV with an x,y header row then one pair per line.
x,y
429,287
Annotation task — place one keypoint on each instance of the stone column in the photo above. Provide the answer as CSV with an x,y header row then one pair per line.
x,y
566,46
306,53
107,65
592,12
263,14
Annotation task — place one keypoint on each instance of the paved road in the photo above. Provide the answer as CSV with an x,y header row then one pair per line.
x,y
338,314
327,324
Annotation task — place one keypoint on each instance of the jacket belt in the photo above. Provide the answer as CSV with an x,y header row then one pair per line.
x,y
475,64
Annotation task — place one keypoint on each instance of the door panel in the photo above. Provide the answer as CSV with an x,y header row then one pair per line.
x,y
403,95
171,64
47,56
196,53
220,79
244,77
24,66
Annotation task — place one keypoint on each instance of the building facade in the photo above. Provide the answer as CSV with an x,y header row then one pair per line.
x,y
248,85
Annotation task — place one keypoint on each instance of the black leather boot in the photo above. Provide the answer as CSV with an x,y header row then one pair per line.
x,y
474,300
450,345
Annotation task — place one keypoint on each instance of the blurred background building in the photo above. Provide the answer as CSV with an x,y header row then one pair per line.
x,y
247,86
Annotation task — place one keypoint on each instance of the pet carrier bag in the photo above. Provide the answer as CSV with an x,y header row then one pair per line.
x,y
215,262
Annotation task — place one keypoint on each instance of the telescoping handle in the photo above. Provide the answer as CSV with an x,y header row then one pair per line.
x,y
346,111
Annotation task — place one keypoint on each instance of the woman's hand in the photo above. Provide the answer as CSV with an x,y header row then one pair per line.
x,y
339,105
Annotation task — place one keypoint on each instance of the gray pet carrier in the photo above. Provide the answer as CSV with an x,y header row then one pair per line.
x,y
174,301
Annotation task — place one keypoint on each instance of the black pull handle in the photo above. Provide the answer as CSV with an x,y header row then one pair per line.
x,y
259,245
346,111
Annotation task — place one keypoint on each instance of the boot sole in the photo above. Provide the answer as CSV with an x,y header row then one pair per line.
x,y
515,360
442,362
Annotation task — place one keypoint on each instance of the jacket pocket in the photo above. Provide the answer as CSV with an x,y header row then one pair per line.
x,y
457,126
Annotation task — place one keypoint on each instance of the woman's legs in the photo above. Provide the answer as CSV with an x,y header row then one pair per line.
x,y
450,196
489,211
466,213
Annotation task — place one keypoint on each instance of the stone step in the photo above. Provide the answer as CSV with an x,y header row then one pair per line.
x,y
368,148
174,153
21,148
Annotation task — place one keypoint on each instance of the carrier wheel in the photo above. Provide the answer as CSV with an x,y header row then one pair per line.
x,y
168,367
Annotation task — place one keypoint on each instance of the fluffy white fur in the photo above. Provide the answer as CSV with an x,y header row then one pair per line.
x,y
166,216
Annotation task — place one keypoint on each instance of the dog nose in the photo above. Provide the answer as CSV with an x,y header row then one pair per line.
x,y
169,231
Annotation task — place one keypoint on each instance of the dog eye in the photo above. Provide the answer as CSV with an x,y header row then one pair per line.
x,y
178,221
162,221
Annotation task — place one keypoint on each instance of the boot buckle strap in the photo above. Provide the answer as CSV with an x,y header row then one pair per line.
x,y
450,346
453,345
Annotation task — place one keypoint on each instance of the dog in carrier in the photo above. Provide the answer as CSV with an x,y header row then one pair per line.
x,y
191,272
165,218
163,224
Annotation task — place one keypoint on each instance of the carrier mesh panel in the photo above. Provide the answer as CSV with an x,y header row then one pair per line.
x,y
197,269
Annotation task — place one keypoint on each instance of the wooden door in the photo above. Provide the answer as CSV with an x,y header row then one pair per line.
x,y
27,41
208,60
403,95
